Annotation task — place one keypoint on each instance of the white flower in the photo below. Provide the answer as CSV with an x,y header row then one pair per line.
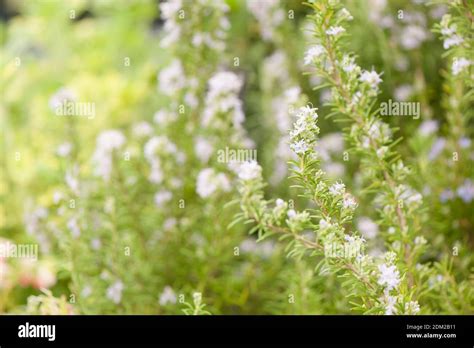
x,y
466,191
163,117
162,197
390,303
344,13
337,189
209,182
167,296
171,79
335,30
169,224
96,244
280,202
446,195
250,170
448,31
428,127
371,78
269,15
436,148
454,40
412,307
292,94
224,82
367,227
64,149
71,179
110,140
459,64
403,92
409,195
158,144
45,278
203,149
86,291
382,151
298,217
412,36
156,174
170,8
420,240
389,276
348,64
142,129
349,202
291,213
60,97
324,224
299,147
464,142
312,53
114,292
73,227
107,141
222,97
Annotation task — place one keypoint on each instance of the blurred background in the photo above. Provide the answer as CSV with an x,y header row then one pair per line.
x,y
109,54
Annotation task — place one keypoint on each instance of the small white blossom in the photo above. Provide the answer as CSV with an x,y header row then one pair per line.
x,y
299,147
344,13
335,30
413,36
428,127
464,142
60,97
163,117
337,189
324,224
367,227
403,92
107,141
312,53
203,149
349,202
390,303
279,202
436,148
412,307
466,191
171,79
389,276
114,292
250,170
64,149
162,197
73,227
142,129
209,182
371,78
167,296
459,64
454,40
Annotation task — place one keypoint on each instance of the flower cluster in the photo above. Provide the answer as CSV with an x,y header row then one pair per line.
x,y
305,130
107,142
